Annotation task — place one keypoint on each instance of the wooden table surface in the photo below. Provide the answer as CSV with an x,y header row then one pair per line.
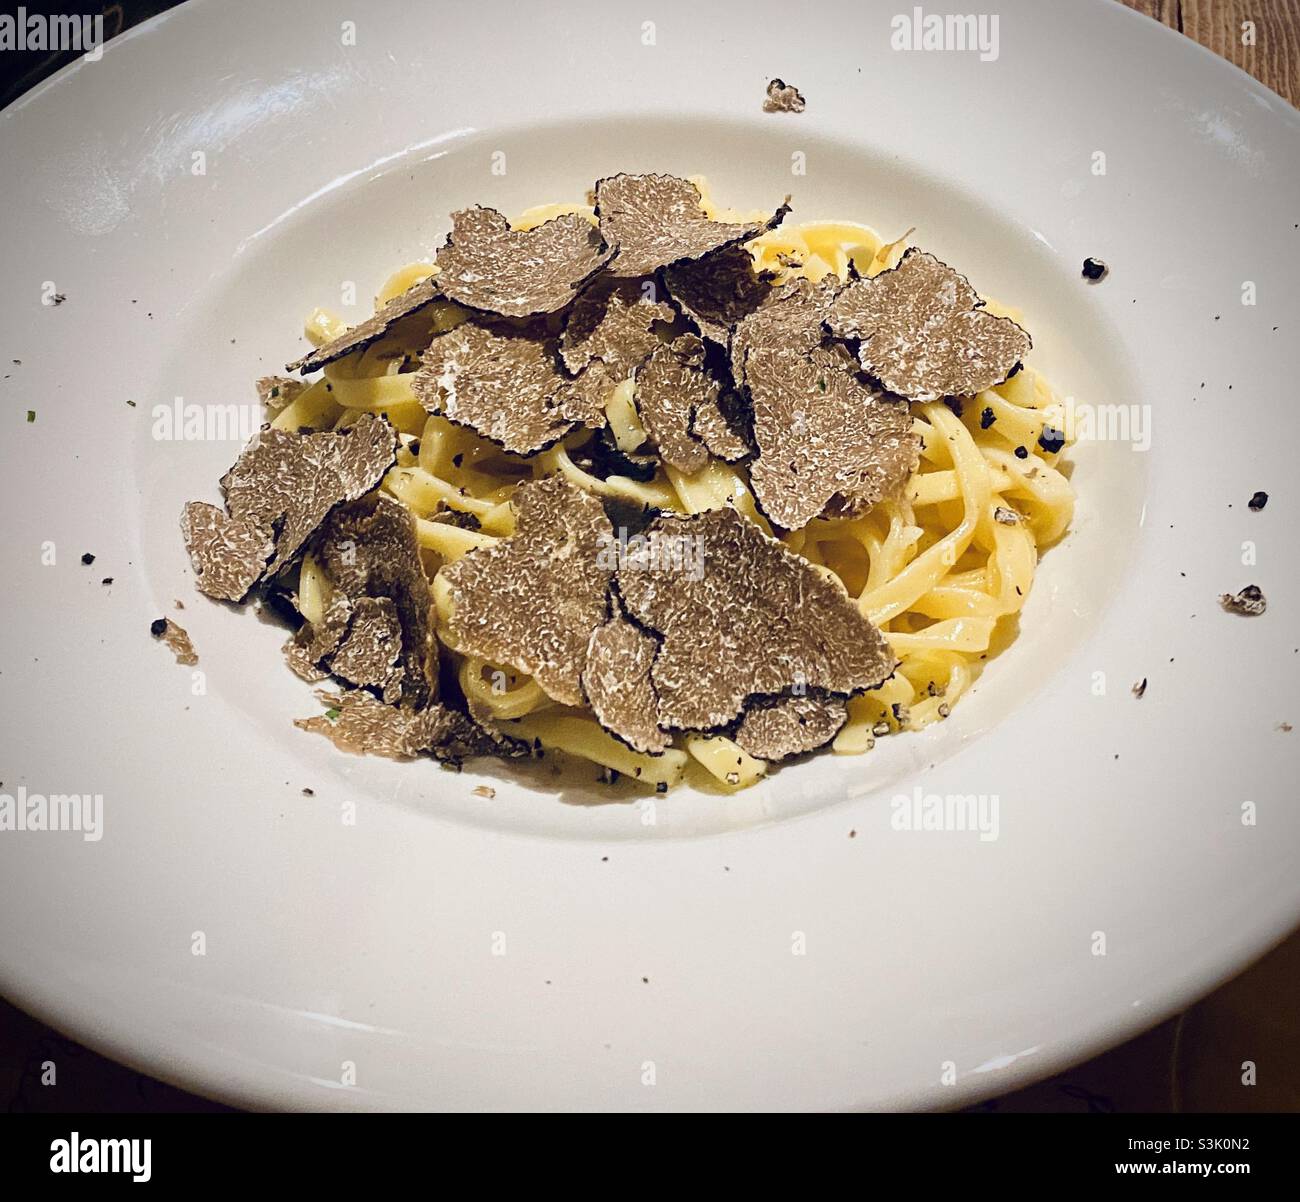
x,y
1261,36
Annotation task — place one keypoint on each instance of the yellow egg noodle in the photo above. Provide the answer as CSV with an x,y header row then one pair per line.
x,y
943,570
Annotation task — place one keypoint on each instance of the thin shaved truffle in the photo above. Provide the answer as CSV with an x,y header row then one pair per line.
x,y
719,291
670,388
658,220
506,384
519,273
617,684
314,642
278,392
228,554
775,728
531,601
370,654
823,435
614,322
790,318
722,425
370,550
365,726
757,619
924,333
373,328
277,494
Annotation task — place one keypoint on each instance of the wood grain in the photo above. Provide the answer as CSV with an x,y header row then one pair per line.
x,y
1273,58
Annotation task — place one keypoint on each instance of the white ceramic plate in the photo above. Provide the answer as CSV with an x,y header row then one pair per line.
x,y
781,948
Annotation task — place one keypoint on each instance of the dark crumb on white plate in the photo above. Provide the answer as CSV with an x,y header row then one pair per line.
x,y
87,558
1140,689
107,580
1094,270
308,792
1285,727
1258,501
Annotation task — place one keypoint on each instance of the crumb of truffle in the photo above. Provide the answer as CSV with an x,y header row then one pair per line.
x,y
177,640
783,98
308,792
1094,270
1285,727
107,580
1250,602
1140,689
87,558
1258,501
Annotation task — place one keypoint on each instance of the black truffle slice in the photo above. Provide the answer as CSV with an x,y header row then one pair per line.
x,y
614,321
376,630
373,328
617,684
740,614
822,435
719,291
228,554
531,601
314,642
506,384
366,726
671,386
277,494
519,273
782,97
723,426
658,220
370,654
924,333
775,728
791,317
